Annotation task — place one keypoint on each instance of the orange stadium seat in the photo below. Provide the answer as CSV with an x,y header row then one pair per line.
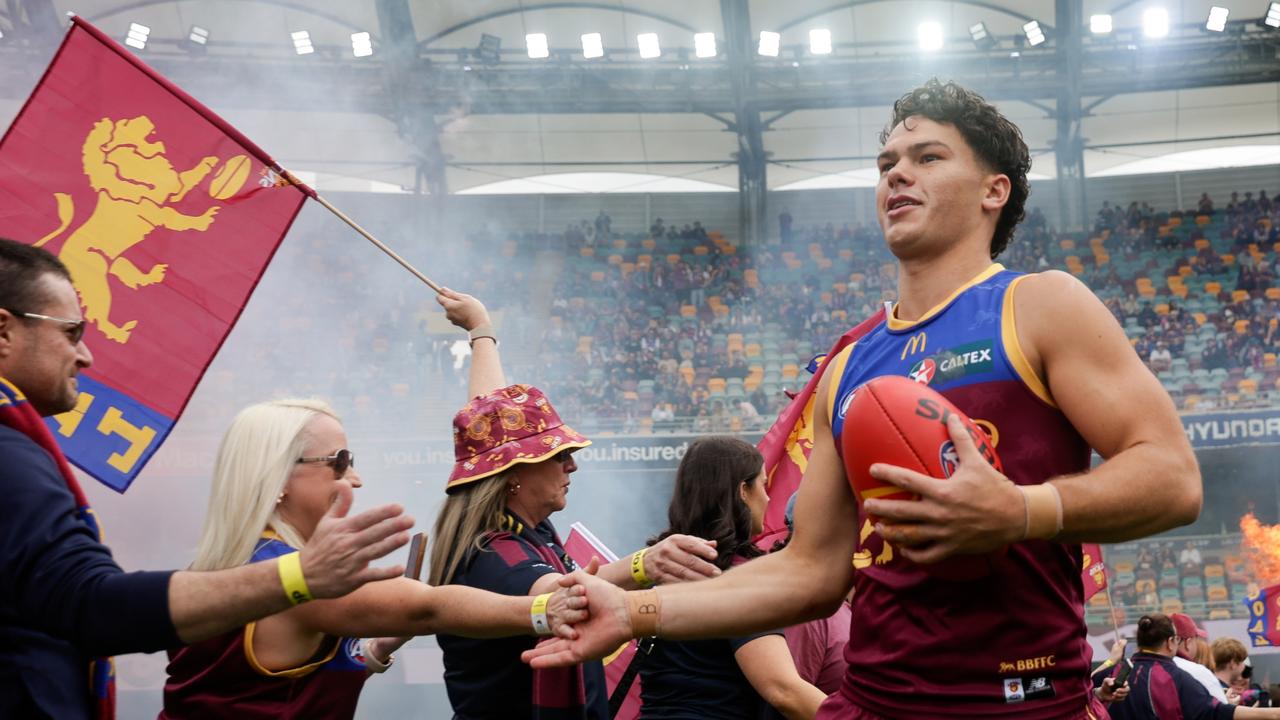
x,y
587,251
615,259
688,311
790,371
649,244
716,385
619,244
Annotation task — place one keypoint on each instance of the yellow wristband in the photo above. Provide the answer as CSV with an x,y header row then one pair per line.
x,y
637,568
538,614
295,586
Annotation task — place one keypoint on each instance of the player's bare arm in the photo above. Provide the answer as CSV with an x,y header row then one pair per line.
x,y
1150,481
806,580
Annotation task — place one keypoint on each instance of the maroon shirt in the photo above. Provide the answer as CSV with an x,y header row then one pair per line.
x,y
221,678
1011,643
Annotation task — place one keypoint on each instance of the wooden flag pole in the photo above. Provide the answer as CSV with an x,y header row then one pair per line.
x,y
1111,608
367,235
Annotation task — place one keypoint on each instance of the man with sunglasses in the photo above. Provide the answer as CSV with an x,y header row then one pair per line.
x,y
63,600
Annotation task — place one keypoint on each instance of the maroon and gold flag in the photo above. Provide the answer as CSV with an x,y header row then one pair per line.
x,y
786,446
166,217
1093,572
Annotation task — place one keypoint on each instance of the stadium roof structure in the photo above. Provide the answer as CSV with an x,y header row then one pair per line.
x,y
448,99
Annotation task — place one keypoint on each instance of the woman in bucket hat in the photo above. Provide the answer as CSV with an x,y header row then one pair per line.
x,y
514,460
280,467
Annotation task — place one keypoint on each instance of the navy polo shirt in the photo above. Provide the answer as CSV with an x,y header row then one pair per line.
x,y
486,678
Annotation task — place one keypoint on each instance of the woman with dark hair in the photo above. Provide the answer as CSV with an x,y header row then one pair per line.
x,y
720,495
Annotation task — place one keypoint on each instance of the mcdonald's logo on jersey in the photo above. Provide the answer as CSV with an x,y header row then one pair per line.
x,y
918,343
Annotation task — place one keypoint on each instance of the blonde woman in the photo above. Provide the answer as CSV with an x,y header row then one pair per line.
x,y
278,469
514,462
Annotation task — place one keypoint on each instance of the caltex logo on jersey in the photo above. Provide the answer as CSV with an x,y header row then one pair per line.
x,y
922,372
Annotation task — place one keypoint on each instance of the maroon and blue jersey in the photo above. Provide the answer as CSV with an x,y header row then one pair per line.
x,y
1008,644
221,676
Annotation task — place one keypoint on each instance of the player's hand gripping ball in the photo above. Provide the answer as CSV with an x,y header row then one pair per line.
x,y
898,421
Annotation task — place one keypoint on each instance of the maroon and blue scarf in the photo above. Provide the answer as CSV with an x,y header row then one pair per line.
x,y
17,413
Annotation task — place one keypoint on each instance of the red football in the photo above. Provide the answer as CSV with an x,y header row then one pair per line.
x,y
898,421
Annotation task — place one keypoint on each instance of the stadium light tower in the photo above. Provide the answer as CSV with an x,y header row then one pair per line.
x,y
1217,21
769,42
930,36
1271,20
302,42
704,44
592,46
1034,33
137,37
648,44
361,44
820,41
982,37
1155,22
1100,24
536,45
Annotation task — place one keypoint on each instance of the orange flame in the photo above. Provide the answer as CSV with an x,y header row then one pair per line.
x,y
1261,545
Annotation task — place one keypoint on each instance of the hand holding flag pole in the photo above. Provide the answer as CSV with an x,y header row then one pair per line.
x,y
367,235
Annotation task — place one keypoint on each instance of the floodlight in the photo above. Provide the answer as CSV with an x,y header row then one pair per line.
x,y
302,42
361,44
1155,22
982,37
198,35
489,49
1100,24
592,45
1035,35
769,42
536,44
1272,18
648,44
820,41
137,37
704,44
930,35
1217,21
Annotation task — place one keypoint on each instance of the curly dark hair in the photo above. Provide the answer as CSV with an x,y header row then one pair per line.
x,y
996,141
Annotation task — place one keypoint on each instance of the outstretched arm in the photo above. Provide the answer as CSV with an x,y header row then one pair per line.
x,y
334,562
470,314
806,580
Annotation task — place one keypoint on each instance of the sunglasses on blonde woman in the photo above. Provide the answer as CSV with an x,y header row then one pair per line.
x,y
340,461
